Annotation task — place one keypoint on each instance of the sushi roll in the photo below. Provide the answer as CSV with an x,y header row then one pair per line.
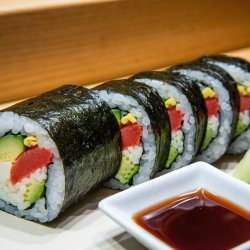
x,y
187,112
239,69
219,91
54,149
145,130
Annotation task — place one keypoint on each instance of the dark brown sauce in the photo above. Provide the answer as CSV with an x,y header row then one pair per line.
x,y
197,220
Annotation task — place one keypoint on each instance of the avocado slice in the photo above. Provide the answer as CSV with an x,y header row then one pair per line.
x,y
34,191
11,146
118,114
241,126
208,138
126,171
173,153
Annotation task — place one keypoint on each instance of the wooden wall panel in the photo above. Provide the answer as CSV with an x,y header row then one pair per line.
x,y
86,42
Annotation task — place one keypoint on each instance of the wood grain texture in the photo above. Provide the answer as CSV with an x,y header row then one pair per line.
x,y
243,53
86,42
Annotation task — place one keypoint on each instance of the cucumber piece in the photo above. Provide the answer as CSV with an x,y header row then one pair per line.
x,y
173,153
126,171
34,191
242,170
118,114
241,127
208,138
11,146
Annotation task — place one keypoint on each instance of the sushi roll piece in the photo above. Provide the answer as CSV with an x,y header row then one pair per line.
x,y
145,130
54,149
187,112
239,70
220,94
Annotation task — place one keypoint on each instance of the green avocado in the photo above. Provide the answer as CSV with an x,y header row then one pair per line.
x,y
208,138
241,126
118,114
11,146
242,170
34,191
173,153
126,171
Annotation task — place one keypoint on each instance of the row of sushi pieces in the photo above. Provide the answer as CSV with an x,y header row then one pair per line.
x,y
56,147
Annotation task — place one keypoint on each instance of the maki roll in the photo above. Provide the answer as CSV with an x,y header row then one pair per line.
x,y
222,102
55,148
187,112
239,69
145,130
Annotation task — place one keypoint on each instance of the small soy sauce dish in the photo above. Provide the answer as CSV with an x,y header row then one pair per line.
x,y
195,207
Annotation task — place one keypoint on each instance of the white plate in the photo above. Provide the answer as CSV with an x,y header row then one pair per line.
x,y
122,206
81,227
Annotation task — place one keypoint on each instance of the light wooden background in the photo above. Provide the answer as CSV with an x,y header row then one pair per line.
x,y
44,44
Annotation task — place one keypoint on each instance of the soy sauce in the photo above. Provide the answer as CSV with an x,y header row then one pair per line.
x,y
197,220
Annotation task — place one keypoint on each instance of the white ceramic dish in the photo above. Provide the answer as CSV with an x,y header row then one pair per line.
x,y
122,206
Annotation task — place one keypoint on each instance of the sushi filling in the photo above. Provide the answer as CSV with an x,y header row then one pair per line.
x,y
213,121
23,170
32,182
244,114
219,125
242,133
183,124
131,133
138,140
177,135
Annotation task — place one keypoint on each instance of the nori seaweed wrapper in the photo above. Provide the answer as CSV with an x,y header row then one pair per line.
x,y
85,132
236,61
193,94
226,80
150,100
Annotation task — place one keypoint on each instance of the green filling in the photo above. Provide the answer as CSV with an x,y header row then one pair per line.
x,y
127,170
34,191
118,114
208,138
11,146
241,127
173,153
242,170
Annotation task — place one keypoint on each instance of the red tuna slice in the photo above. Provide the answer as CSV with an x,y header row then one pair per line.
x,y
244,103
28,162
131,135
175,117
212,106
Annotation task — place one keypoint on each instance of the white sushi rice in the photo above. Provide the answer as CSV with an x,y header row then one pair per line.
x,y
188,128
242,142
219,145
147,160
133,153
177,140
48,207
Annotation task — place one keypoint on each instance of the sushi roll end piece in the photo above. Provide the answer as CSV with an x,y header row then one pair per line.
x,y
145,130
239,70
187,112
54,149
219,92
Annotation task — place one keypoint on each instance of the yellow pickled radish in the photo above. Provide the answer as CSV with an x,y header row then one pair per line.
x,y
30,141
208,93
242,90
248,90
129,118
170,103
